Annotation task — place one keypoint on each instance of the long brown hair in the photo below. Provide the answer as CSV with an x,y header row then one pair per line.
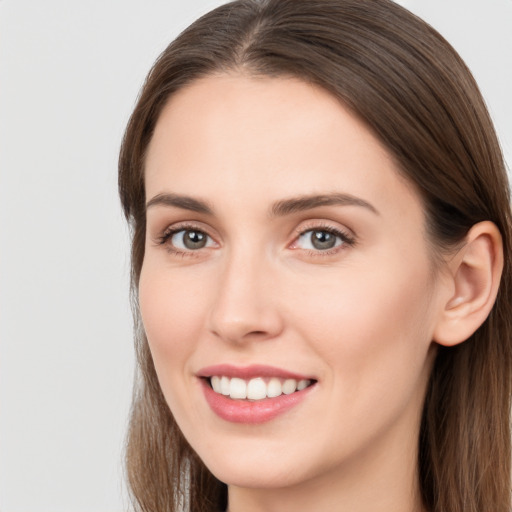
x,y
414,92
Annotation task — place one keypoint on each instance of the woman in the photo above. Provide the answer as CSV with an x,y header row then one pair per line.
x,y
320,268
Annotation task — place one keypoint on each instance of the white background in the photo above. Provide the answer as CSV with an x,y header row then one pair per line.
x,y
69,75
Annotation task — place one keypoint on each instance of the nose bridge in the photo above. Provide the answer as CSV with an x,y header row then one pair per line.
x,y
244,307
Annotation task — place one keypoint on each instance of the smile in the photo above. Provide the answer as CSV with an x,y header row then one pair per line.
x,y
254,394
257,388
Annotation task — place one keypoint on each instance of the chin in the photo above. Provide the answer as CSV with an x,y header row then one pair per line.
x,y
260,464
249,476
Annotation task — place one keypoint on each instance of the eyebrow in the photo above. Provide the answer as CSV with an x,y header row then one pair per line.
x,y
303,203
279,209
179,201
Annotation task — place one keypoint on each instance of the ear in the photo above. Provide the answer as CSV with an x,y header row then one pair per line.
x,y
474,278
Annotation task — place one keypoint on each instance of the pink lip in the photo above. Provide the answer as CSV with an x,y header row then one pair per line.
x,y
249,372
246,411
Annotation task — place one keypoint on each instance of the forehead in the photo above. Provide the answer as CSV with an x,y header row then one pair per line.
x,y
247,140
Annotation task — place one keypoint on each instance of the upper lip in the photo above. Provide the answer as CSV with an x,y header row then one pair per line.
x,y
249,372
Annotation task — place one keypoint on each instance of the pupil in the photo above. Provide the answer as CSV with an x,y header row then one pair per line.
x,y
323,240
194,240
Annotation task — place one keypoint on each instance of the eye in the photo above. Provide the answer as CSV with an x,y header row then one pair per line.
x,y
322,239
187,239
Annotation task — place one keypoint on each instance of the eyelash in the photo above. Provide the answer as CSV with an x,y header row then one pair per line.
x,y
170,232
347,240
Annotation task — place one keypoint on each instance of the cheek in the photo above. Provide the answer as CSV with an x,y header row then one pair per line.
x,y
172,306
372,329
172,313
372,325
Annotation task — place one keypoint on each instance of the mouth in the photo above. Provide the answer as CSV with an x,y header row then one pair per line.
x,y
257,388
254,394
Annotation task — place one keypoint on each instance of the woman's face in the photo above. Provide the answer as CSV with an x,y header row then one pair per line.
x,y
285,258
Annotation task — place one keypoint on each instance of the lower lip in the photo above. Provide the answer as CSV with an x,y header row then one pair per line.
x,y
251,412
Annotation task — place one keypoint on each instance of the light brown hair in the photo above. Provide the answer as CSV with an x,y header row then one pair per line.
x,y
417,96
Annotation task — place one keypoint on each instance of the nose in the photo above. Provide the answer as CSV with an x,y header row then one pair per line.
x,y
245,307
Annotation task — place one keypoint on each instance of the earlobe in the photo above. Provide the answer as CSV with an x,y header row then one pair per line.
x,y
475,274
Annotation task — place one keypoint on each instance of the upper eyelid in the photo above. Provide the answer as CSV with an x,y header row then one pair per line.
x,y
187,226
345,236
319,225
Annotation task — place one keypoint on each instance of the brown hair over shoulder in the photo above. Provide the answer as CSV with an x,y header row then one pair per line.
x,y
417,96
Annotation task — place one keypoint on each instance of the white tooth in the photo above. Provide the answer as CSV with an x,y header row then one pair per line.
x,y
256,389
237,388
224,386
289,386
274,388
303,384
215,381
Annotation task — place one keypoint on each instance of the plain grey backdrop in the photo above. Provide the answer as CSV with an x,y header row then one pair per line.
x,y
70,72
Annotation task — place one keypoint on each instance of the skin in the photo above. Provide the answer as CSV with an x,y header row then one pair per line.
x,y
360,318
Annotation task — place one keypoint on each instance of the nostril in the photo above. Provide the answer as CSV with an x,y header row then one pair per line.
x,y
243,322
